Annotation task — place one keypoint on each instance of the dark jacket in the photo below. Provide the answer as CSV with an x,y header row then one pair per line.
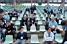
x,y
65,37
24,35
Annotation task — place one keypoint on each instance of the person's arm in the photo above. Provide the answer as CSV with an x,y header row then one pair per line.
x,y
52,34
50,24
26,37
56,24
14,29
17,36
44,36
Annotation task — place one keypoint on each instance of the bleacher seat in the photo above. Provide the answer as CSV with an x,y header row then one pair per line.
x,y
58,38
35,11
27,12
25,29
38,18
44,18
40,22
9,39
42,15
19,18
42,28
13,18
34,39
33,28
17,23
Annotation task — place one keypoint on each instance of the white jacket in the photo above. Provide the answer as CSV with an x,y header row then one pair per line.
x,y
47,38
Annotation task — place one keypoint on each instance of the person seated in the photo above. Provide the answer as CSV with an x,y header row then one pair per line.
x,y
3,30
6,17
1,14
65,26
53,24
33,18
48,37
21,36
10,29
45,10
27,9
32,8
25,17
1,11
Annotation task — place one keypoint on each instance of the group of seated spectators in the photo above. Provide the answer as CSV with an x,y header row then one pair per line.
x,y
52,24
8,28
52,27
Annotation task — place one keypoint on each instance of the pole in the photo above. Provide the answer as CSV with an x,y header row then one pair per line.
x,y
47,3
63,2
14,2
31,2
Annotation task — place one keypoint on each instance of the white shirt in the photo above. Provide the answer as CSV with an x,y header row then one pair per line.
x,y
65,42
47,38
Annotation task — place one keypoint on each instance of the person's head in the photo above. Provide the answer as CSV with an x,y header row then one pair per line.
x,y
53,19
20,29
1,12
49,29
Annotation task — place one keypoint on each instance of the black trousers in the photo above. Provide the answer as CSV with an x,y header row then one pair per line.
x,y
48,42
12,33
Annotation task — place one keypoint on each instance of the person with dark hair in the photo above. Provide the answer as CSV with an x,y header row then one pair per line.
x,y
10,30
53,24
3,30
6,17
1,14
21,36
65,25
48,37
1,11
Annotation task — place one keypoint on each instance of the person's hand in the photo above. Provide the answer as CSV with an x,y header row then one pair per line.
x,y
17,31
9,31
56,27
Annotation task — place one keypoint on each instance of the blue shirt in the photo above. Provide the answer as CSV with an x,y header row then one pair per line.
x,y
65,27
6,17
53,23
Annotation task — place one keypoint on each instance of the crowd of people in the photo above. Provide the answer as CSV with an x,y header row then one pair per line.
x,y
52,25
